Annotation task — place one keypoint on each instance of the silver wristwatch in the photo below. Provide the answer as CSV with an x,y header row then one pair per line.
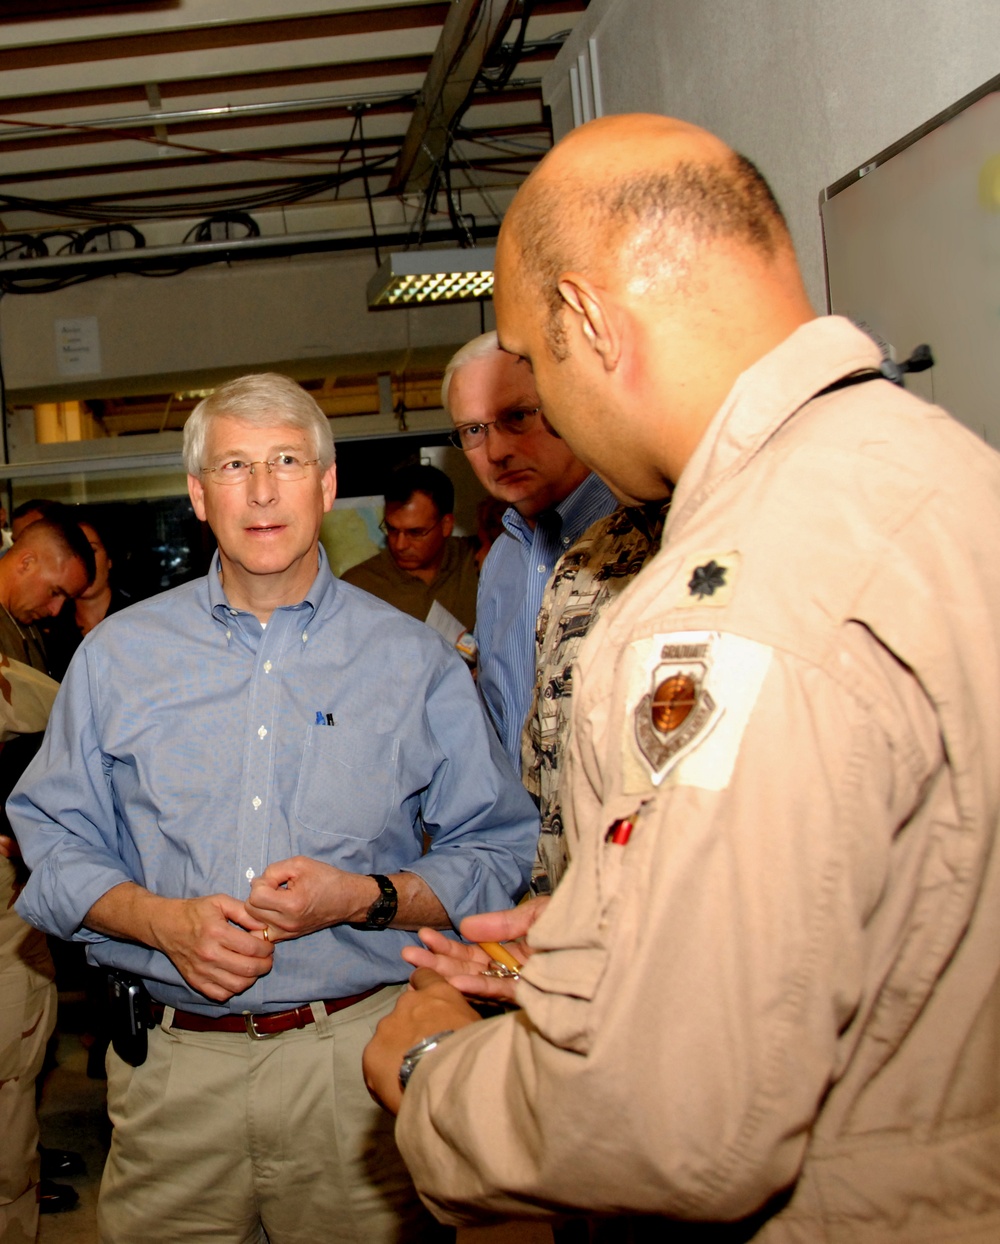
x,y
416,1052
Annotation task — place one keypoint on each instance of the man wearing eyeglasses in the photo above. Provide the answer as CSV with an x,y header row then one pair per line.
x,y
552,498
422,561
230,810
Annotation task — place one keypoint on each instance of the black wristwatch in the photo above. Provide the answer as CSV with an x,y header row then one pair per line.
x,y
383,911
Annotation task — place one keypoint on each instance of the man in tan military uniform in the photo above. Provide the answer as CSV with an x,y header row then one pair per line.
x,y
767,991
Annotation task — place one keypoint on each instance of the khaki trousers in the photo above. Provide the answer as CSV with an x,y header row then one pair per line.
x,y
27,1017
220,1137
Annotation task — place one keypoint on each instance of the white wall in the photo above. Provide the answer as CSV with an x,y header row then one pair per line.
x,y
808,89
307,315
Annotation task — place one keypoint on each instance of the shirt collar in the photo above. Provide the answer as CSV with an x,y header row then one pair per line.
x,y
564,515
322,587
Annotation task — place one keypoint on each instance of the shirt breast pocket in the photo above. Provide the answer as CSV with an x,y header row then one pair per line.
x,y
347,783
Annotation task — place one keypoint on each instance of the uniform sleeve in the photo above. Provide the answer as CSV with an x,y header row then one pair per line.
x,y
64,818
481,824
694,992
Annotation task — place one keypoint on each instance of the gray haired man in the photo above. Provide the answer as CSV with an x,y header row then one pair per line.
x,y
230,810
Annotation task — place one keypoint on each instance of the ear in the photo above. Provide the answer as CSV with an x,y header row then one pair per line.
x,y
196,491
329,487
593,314
26,561
448,525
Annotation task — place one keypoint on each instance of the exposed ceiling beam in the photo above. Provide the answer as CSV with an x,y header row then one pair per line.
x,y
224,35
470,35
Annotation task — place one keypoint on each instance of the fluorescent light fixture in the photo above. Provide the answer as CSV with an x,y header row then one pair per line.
x,y
414,278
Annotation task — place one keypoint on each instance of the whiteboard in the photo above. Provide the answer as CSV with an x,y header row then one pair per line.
x,y
913,254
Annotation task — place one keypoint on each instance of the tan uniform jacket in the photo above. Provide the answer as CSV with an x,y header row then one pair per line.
x,y
787,983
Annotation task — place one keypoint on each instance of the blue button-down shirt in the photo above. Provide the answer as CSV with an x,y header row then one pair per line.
x,y
511,584
189,747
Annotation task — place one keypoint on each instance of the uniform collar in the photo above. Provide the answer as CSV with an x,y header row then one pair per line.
x,y
765,397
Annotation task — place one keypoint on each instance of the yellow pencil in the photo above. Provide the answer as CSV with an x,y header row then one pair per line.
x,y
501,955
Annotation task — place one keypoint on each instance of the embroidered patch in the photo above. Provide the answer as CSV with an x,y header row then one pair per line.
x,y
689,697
677,708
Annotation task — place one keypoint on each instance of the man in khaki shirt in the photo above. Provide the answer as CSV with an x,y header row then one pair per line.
x,y
767,991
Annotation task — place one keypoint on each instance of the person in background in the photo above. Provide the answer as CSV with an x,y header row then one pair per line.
x,y
551,498
589,577
422,561
51,563
251,789
78,617
771,973
31,511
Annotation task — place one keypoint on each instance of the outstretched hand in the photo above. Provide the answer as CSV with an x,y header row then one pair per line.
x,y
462,963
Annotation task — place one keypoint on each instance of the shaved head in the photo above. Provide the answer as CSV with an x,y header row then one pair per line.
x,y
665,189
640,269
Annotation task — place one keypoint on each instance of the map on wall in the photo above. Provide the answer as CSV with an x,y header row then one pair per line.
x,y
350,532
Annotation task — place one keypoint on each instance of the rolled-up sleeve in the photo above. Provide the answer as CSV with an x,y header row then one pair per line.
x,y
481,824
63,814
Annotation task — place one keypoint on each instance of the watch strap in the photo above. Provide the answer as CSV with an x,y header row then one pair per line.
x,y
383,911
416,1052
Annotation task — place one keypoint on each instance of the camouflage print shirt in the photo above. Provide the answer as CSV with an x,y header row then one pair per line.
x,y
590,574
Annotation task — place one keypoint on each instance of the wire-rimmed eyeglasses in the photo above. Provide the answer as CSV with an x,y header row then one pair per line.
x,y
512,422
285,467
410,533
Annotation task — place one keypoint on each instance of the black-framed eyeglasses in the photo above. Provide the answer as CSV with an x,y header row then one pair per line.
x,y
512,422
285,467
411,533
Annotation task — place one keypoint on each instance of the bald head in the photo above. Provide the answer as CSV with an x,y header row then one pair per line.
x,y
676,236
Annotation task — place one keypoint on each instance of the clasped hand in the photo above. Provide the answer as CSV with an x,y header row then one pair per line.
x,y
299,895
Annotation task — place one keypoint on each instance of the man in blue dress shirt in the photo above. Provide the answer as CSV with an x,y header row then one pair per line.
x,y
552,499
230,807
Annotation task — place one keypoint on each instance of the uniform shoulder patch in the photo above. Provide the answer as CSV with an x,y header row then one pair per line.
x,y
678,707
689,697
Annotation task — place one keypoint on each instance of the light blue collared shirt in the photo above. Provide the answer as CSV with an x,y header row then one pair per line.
x,y
511,584
189,748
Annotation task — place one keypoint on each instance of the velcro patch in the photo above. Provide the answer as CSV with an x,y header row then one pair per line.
x,y
690,694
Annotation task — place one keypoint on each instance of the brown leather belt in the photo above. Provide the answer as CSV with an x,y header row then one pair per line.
x,y
261,1025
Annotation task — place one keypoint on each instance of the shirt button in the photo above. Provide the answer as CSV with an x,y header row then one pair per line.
x,y
305,636
250,874
267,667
256,802
565,540
229,634
232,613
542,569
262,732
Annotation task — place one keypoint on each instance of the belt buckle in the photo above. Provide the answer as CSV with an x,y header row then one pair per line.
x,y
249,1019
